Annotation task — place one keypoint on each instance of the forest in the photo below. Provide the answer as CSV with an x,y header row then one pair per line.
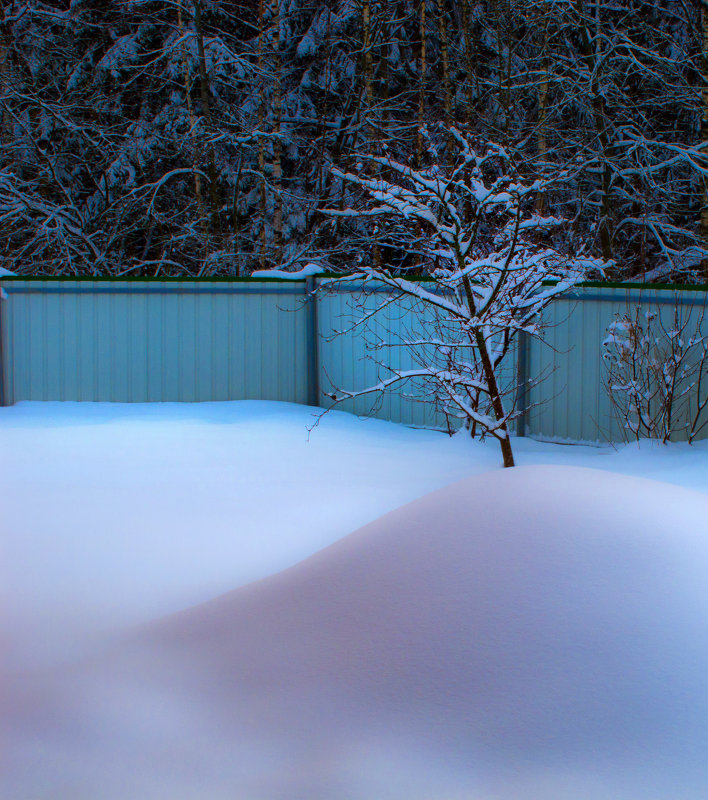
x,y
213,137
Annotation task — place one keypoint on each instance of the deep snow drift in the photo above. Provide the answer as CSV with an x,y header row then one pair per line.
x,y
532,633
113,514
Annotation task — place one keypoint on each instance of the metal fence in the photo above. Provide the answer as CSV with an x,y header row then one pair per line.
x,y
572,402
140,341
176,340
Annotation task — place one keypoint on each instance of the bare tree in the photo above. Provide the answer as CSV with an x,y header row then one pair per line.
x,y
657,371
488,273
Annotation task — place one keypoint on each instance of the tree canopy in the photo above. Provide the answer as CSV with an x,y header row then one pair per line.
x,y
198,137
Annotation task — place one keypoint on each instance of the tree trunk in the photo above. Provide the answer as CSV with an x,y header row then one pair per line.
x,y
192,119
368,85
421,87
490,379
206,110
261,143
236,218
469,62
503,72
277,145
600,119
447,95
495,397
368,59
541,142
321,175
704,135
4,83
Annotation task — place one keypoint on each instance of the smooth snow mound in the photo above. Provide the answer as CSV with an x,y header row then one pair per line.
x,y
114,514
540,632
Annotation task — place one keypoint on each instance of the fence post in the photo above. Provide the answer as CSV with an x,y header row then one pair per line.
x,y
3,392
522,377
311,343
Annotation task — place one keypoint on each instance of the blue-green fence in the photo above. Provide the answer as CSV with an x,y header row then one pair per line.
x,y
190,341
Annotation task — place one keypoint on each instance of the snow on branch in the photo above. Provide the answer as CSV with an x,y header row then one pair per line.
x,y
489,253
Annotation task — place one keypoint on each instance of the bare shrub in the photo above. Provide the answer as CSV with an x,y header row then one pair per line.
x,y
656,373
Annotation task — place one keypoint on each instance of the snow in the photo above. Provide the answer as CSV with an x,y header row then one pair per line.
x,y
304,272
206,496
123,51
146,509
204,600
312,40
3,271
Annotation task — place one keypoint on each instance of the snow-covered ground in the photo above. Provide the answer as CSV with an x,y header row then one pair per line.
x,y
113,514
539,632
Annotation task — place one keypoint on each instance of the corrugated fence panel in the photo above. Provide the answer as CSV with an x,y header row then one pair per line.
x,y
129,341
236,347
219,348
119,347
357,358
566,401
539,359
204,368
572,401
607,427
138,341
250,328
341,347
36,348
